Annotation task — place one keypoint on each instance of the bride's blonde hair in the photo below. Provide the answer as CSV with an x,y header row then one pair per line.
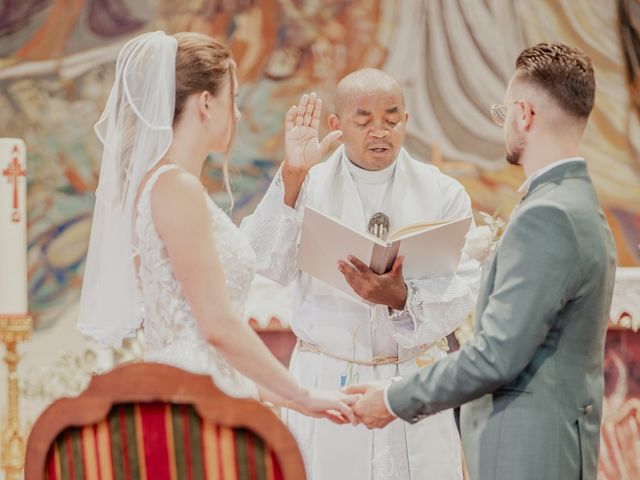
x,y
204,64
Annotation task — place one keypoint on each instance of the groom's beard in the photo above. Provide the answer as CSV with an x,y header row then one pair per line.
x,y
513,157
514,152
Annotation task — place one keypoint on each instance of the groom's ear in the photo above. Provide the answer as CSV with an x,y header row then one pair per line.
x,y
334,122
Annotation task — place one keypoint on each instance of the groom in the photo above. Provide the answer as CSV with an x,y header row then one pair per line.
x,y
532,377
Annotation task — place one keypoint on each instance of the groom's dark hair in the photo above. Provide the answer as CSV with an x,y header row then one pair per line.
x,y
562,71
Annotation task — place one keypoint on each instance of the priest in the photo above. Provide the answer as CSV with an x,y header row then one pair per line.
x,y
398,324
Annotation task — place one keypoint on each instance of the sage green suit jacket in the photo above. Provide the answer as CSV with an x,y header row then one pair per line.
x,y
531,379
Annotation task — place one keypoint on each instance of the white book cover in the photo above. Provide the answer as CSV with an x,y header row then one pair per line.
x,y
430,249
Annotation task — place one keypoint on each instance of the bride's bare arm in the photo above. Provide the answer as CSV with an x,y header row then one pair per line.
x,y
181,218
274,400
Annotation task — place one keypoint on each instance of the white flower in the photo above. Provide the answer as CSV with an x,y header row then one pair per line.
x,y
479,243
67,376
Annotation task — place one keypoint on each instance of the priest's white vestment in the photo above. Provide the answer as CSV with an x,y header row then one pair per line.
x,y
331,326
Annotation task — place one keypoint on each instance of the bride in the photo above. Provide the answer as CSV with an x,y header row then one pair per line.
x,y
162,254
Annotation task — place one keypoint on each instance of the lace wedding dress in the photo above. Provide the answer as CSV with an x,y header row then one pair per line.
x,y
171,332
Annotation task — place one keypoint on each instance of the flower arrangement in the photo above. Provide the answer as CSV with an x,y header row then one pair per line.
x,y
70,373
482,240
480,243
67,376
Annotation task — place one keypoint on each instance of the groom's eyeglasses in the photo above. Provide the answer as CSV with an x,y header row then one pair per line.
x,y
499,112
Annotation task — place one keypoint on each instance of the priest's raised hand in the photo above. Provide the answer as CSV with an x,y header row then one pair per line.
x,y
303,148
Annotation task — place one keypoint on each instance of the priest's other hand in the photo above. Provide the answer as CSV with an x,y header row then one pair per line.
x,y
371,409
303,148
386,289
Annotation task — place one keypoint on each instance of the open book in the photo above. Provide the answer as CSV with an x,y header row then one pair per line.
x,y
430,249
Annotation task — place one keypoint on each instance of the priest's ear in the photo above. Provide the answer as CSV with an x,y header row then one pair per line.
x,y
334,122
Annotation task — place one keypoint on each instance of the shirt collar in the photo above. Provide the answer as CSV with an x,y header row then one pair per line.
x,y
524,188
360,175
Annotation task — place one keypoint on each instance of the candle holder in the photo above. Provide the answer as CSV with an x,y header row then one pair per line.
x,y
13,329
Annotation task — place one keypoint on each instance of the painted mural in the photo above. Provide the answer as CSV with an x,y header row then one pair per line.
x,y
453,57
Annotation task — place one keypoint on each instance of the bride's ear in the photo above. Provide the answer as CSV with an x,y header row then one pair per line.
x,y
205,105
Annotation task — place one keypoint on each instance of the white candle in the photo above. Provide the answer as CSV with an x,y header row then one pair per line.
x,y
13,227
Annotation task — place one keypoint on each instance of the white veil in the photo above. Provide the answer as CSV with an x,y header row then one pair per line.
x,y
136,131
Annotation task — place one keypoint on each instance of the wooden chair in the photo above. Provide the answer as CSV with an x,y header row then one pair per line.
x,y
150,421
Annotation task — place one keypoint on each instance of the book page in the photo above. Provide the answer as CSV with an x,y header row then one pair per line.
x,y
407,230
436,251
433,250
324,241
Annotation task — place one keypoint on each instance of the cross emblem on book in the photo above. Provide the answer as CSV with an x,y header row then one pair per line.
x,y
13,171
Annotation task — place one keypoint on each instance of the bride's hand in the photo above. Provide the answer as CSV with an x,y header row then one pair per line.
x,y
333,405
303,149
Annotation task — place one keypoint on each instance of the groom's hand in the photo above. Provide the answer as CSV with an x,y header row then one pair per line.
x,y
371,409
386,289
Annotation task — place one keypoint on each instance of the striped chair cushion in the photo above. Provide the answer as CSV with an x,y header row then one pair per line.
x,y
159,441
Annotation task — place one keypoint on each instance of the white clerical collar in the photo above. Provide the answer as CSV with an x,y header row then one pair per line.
x,y
524,188
360,175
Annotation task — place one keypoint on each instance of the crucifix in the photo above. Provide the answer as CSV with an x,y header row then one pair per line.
x,y
16,324
13,172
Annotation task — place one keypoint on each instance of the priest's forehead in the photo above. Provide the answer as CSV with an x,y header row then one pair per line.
x,y
365,90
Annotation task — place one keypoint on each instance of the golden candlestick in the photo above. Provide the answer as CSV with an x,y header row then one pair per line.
x,y
13,329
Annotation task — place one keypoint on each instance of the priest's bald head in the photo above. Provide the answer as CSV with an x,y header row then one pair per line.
x,y
371,113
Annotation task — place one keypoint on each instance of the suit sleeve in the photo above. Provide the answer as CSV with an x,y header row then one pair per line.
x,y
536,261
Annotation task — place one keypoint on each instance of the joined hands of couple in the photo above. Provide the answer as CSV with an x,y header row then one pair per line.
x,y
361,403
355,404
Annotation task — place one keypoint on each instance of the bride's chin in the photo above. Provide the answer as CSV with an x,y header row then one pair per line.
x,y
216,149
218,146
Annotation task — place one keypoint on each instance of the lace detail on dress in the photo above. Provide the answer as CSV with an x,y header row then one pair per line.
x,y
171,331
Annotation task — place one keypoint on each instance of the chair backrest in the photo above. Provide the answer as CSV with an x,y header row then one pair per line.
x,y
150,421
